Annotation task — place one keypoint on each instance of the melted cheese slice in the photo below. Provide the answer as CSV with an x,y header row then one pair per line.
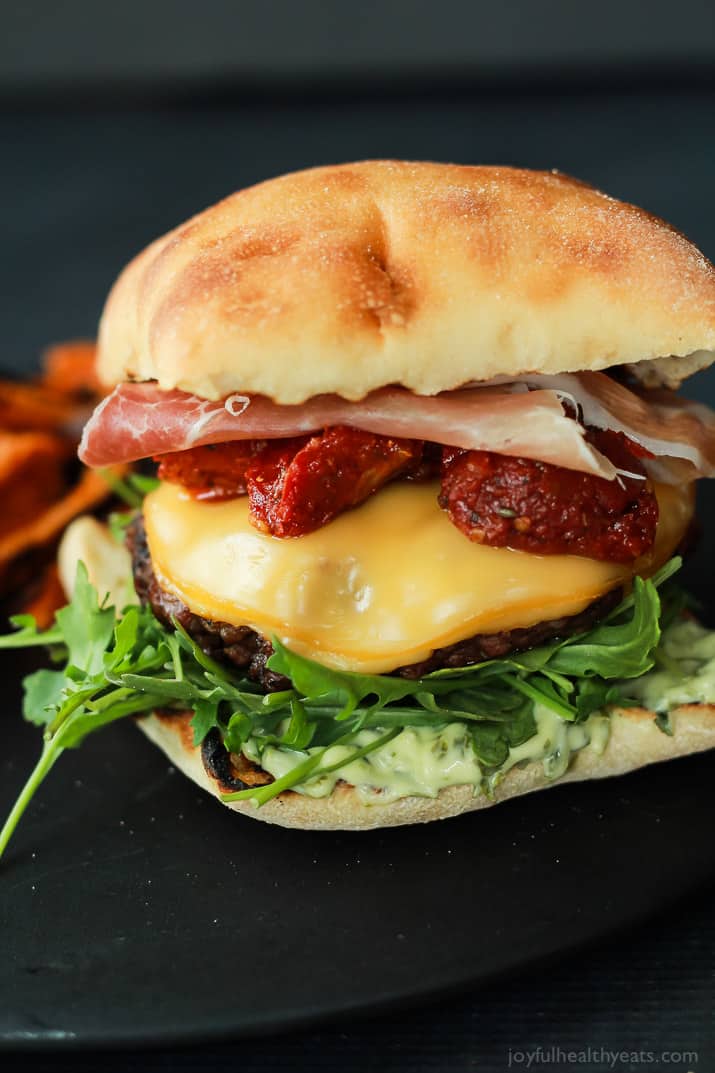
x,y
382,585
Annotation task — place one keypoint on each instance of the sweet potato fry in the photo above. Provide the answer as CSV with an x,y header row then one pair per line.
x,y
40,425
69,369
31,476
44,529
32,407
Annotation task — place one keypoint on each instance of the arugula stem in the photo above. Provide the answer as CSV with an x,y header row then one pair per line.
x,y
53,636
542,698
137,704
297,774
109,698
176,660
69,706
363,751
311,766
50,753
559,680
122,488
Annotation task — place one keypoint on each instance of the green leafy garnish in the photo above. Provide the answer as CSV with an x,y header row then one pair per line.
x,y
116,666
131,488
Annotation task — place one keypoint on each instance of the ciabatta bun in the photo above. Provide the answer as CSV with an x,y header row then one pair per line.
x,y
344,279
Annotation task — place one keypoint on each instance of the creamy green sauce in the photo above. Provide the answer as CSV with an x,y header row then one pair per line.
x,y
684,672
421,761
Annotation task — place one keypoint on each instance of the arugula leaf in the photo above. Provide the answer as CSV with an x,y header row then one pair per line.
x,y
82,698
541,691
90,718
490,744
131,488
658,579
594,694
205,718
118,522
126,632
27,634
237,732
300,732
313,680
189,645
143,483
623,650
86,628
43,691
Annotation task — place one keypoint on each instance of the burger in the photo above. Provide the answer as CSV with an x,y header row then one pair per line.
x,y
423,482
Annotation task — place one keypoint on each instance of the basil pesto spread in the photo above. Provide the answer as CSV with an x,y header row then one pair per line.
x,y
421,761
684,670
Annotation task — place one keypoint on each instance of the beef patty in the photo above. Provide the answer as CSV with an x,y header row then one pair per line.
x,y
249,651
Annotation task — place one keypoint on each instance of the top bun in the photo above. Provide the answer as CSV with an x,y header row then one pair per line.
x,y
344,279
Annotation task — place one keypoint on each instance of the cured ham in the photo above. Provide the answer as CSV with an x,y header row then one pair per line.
x,y
531,419
664,424
141,420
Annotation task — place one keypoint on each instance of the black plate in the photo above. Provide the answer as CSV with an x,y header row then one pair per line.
x,y
138,910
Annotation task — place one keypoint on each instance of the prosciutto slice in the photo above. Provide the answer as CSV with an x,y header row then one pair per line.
x,y
526,419
673,429
138,420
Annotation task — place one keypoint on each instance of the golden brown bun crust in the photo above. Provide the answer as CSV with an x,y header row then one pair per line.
x,y
635,741
344,279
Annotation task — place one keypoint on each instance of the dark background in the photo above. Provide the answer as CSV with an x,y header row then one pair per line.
x,y
118,122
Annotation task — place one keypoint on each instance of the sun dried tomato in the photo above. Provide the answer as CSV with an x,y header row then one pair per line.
x,y
293,494
265,477
214,472
549,510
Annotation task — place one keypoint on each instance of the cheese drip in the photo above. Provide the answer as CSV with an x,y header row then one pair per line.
x,y
382,585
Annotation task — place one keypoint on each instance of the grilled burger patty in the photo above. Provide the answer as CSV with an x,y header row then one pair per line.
x,y
249,651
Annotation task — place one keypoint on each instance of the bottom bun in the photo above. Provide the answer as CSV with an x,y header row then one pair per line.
x,y
635,741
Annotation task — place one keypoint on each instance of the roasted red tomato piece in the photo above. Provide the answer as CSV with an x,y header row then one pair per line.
x,y
216,471
294,494
265,477
548,510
